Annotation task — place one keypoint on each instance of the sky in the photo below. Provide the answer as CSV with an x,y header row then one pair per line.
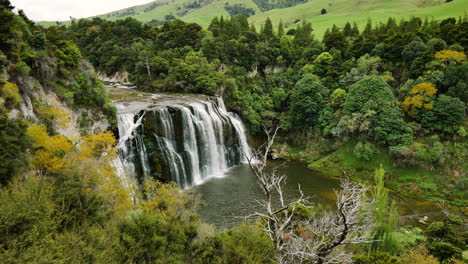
x,y
59,10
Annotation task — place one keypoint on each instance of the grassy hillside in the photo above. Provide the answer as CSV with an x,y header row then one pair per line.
x,y
342,11
338,11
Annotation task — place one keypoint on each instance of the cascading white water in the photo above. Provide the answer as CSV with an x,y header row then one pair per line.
x,y
186,141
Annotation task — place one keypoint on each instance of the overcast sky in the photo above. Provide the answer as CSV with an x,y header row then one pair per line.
x,y
57,10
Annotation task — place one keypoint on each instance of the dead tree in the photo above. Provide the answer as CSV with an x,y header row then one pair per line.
x,y
317,238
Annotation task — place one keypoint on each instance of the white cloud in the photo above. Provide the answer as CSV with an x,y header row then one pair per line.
x,y
59,10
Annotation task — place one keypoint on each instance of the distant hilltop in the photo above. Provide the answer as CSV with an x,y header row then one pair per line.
x,y
322,13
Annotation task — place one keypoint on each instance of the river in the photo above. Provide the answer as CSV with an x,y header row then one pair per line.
x,y
201,140
226,201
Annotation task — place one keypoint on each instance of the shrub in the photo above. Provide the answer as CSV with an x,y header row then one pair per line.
x,y
243,244
14,144
418,256
10,92
376,258
364,150
446,115
148,238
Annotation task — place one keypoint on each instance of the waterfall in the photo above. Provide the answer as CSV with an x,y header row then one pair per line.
x,y
187,140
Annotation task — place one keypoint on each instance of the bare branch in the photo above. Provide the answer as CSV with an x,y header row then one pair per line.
x,y
316,239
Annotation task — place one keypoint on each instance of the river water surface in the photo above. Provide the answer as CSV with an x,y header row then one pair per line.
x,y
228,200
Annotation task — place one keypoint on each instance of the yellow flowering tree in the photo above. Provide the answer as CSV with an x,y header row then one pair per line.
x,y
51,151
422,97
92,159
450,57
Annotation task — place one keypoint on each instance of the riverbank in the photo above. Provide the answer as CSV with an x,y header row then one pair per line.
x,y
334,159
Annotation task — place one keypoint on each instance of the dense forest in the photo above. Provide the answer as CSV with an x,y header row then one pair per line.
x,y
393,94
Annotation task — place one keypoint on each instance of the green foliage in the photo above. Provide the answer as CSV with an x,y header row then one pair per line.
x,y
456,83
417,152
444,251
338,97
26,217
367,94
147,238
364,150
376,258
374,99
384,215
195,74
6,4
443,240
68,53
243,244
307,100
266,5
446,115
75,207
7,29
15,144
88,91
177,34
238,9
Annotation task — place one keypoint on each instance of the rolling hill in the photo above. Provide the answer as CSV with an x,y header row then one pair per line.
x,y
291,11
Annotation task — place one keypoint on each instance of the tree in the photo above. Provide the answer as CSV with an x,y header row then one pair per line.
x,y
7,4
280,29
195,74
413,50
148,238
15,144
7,29
267,33
177,34
307,100
347,30
338,97
384,214
51,151
335,39
422,98
243,244
303,35
443,240
371,100
446,115
367,94
299,231
451,57
456,81
10,93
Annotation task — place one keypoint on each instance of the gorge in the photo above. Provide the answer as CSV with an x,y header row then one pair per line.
x,y
194,141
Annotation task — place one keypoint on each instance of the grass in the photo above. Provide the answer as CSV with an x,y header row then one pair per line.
x,y
339,12
434,184
360,11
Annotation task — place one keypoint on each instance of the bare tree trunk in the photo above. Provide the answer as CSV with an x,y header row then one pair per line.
x,y
147,64
317,238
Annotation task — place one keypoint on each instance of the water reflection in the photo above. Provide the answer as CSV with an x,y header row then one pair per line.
x,y
228,200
